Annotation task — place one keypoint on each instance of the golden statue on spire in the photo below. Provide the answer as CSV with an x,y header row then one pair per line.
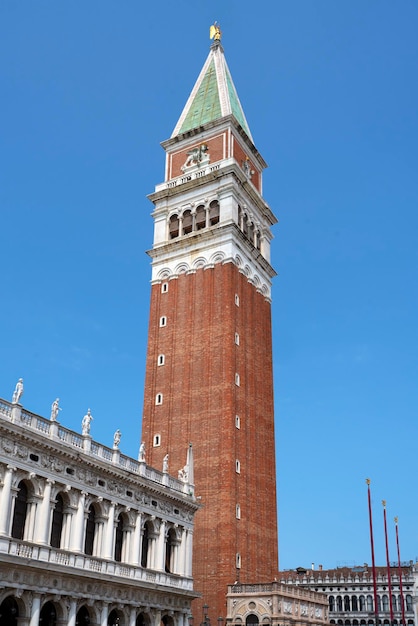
x,y
215,32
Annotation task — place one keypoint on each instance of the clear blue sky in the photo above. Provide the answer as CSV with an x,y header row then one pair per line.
x,y
330,90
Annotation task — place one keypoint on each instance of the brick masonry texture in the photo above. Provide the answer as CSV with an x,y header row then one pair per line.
x,y
200,404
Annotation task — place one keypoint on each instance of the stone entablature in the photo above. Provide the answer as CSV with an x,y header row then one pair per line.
x,y
86,532
275,604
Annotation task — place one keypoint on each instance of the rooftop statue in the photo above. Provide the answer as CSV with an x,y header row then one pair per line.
x,y
215,32
116,438
54,410
86,423
165,464
141,456
18,392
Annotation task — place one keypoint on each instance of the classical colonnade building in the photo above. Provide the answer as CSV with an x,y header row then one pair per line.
x,y
88,535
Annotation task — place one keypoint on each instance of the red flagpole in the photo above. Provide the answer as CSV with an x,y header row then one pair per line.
x,y
400,572
388,562
372,548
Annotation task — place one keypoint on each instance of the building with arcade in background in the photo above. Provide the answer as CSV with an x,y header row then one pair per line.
x,y
350,593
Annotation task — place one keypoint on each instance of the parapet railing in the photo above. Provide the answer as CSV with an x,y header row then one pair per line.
x,y
276,587
31,551
365,578
190,175
16,414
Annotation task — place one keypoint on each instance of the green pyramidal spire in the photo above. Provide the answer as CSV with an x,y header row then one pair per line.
x,y
214,96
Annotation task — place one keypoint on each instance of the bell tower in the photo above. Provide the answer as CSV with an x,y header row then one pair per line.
x,y
209,378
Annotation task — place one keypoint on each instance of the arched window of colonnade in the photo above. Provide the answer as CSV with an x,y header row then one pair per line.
x,y
90,530
20,511
72,521
9,612
57,522
188,221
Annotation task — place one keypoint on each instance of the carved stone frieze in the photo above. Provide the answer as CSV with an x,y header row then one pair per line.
x,y
21,451
7,445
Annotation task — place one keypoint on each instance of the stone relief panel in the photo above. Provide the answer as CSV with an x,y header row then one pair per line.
x,y
287,607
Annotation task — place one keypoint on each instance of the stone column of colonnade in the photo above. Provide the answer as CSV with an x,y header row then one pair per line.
x,y
67,524
33,503
77,537
128,555
150,564
35,610
157,617
6,500
160,548
135,557
104,614
178,553
183,554
110,532
43,521
189,553
99,532
72,613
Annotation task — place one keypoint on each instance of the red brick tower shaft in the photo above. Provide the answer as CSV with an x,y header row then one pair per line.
x,y
209,361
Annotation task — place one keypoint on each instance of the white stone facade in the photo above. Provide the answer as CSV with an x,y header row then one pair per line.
x,y
240,228
88,535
